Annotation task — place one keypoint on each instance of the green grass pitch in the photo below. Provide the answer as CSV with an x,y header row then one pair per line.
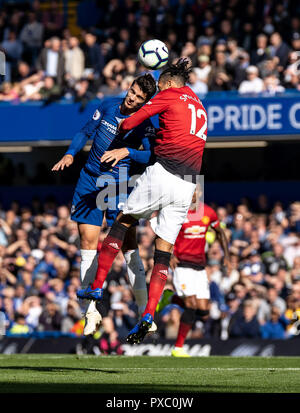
x,y
118,374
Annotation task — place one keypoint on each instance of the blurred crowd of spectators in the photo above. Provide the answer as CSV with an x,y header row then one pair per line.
x,y
257,296
251,48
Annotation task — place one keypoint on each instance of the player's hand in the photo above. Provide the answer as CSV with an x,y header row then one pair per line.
x,y
65,161
173,262
115,155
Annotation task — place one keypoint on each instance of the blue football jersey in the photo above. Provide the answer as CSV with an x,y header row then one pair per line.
x,y
103,129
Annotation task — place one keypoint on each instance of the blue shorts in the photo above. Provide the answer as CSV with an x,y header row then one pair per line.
x,y
97,196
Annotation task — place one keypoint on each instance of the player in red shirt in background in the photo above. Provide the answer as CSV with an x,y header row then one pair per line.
x,y
188,265
166,187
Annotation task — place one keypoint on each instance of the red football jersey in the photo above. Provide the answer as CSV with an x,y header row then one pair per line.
x,y
189,247
182,132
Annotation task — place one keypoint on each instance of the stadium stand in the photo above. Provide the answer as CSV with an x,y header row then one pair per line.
x,y
223,40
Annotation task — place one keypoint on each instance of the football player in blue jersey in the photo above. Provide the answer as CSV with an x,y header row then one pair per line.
x,y
98,177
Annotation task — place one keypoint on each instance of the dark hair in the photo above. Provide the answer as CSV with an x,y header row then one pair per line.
x,y
147,85
179,71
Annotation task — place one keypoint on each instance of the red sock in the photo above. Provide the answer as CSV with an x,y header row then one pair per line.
x,y
182,333
109,250
157,282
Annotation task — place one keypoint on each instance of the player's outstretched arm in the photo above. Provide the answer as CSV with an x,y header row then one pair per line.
x,y
134,120
79,141
65,161
155,106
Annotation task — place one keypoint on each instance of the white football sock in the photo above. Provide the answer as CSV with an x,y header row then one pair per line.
x,y
137,278
88,268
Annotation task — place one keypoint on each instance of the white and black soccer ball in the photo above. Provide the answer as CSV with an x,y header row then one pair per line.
x,y
153,54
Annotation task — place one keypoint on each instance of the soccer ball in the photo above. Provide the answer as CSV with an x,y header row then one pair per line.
x,y
153,54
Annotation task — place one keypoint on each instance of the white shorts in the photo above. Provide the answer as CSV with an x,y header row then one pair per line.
x,y
188,281
159,190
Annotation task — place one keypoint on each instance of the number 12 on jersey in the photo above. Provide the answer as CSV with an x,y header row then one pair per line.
x,y
198,114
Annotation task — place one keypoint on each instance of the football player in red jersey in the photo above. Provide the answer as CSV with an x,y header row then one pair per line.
x,y
188,265
166,187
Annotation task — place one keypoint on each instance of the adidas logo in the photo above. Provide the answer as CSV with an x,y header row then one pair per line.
x,y
164,272
114,245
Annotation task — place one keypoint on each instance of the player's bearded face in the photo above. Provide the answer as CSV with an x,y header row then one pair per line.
x,y
135,97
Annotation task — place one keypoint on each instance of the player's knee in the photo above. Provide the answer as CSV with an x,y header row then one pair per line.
x,y
162,257
88,244
118,230
126,220
89,236
202,314
188,316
